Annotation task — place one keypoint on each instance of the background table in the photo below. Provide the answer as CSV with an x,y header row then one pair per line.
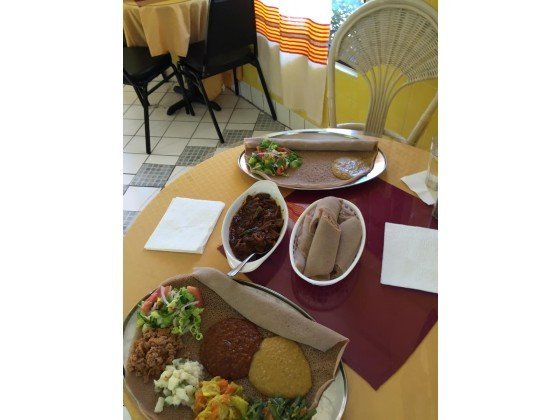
x,y
409,394
169,26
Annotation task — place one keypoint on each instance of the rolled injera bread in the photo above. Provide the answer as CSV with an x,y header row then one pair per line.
x,y
322,253
350,238
303,242
335,143
346,213
327,204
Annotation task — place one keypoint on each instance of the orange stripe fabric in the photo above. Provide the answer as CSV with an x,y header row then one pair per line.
x,y
295,35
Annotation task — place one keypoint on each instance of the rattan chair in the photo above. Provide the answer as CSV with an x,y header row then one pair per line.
x,y
392,44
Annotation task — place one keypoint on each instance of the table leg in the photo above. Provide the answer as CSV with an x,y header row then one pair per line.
x,y
194,96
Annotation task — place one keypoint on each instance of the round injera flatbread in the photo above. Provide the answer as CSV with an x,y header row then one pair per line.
x,y
323,364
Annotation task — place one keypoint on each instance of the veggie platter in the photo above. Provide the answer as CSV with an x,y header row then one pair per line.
x,y
184,389
269,158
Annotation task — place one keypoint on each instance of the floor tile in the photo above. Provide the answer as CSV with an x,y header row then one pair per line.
x,y
159,113
207,131
244,115
221,116
170,98
228,90
162,160
243,104
195,154
240,126
163,88
155,98
157,128
266,123
125,187
199,111
136,198
152,175
130,127
125,108
204,142
126,139
136,112
236,137
226,101
129,98
138,144
171,146
128,218
181,129
128,88
132,162
127,178
176,173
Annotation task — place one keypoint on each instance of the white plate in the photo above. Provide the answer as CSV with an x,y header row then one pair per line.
x,y
295,230
379,165
268,187
332,402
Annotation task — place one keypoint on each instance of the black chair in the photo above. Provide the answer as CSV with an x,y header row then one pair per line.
x,y
231,41
139,69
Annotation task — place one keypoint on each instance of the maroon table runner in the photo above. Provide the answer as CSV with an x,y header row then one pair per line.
x,y
384,323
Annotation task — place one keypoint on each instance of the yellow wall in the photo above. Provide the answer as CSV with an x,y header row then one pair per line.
x,y
352,102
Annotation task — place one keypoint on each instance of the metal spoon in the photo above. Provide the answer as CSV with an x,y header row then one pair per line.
x,y
237,269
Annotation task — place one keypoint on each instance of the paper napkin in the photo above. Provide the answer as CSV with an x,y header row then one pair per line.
x,y
410,257
185,226
417,183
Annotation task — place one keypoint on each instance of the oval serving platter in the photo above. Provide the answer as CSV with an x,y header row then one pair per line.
x,y
379,165
333,401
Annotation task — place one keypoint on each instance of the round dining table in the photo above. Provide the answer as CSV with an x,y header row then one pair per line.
x,y
411,393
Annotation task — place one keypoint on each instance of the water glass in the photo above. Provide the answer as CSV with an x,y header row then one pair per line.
x,y
432,176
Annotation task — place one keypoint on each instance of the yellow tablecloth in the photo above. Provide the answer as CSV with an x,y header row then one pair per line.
x,y
169,26
411,393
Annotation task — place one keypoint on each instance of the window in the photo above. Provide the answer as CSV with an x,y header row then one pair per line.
x,y
341,10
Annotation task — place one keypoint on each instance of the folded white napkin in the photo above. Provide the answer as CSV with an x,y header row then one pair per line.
x,y
410,257
417,183
185,226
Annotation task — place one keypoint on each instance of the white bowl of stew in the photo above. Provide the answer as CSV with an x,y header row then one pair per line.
x,y
260,187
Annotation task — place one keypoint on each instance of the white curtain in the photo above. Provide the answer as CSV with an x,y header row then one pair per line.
x,y
293,38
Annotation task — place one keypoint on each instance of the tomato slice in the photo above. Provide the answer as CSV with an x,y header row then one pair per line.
x,y
197,295
148,303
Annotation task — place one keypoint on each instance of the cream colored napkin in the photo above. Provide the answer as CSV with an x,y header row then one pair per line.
x,y
185,226
417,183
410,257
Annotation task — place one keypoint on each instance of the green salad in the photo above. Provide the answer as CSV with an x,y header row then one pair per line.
x,y
179,308
279,409
273,159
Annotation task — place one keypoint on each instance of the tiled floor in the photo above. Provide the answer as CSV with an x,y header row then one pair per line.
x,y
179,141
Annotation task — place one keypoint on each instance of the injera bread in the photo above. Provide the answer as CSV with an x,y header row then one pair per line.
x,y
329,251
317,156
323,250
325,143
265,311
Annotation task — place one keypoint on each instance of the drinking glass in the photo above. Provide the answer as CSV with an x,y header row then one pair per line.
x,y
432,176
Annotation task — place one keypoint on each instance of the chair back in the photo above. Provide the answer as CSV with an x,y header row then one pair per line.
x,y
392,44
231,27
